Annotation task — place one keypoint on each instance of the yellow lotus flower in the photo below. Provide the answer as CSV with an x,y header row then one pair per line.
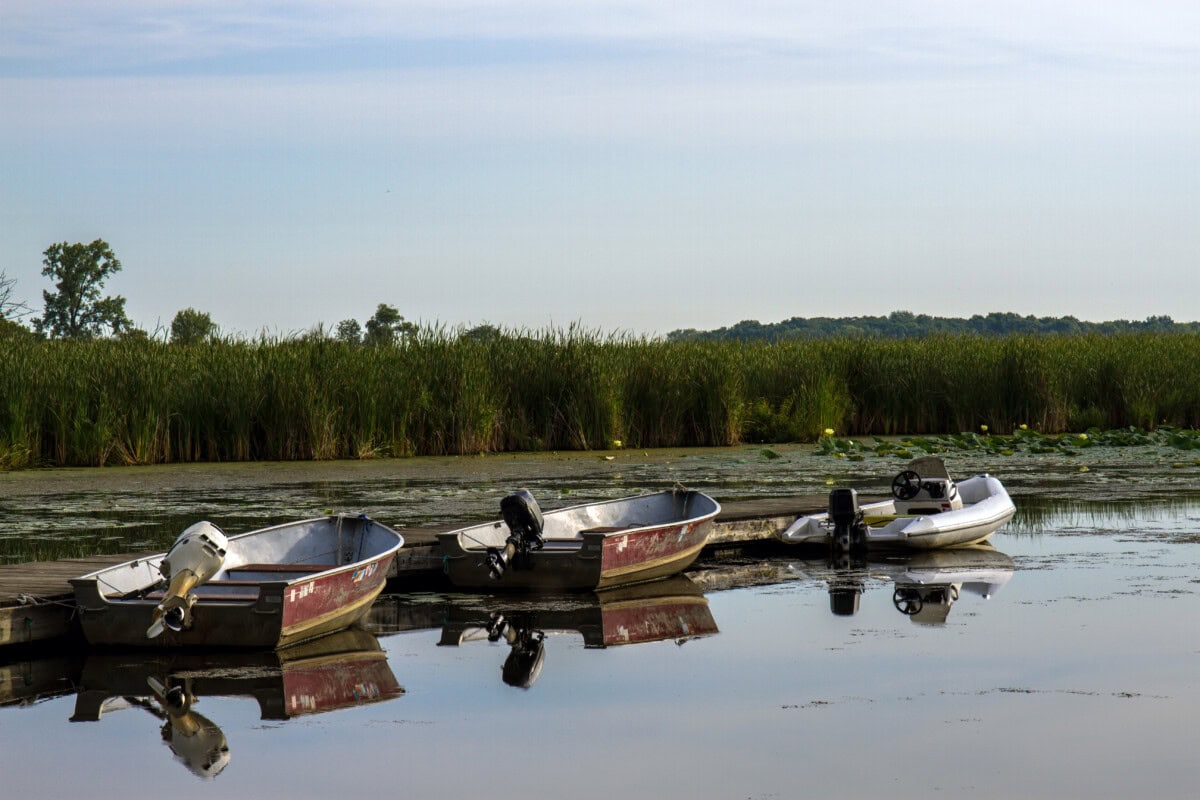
x,y
829,431
1083,437
983,428
616,443
1024,427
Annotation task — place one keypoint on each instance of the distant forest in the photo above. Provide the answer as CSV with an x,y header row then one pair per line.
x,y
906,325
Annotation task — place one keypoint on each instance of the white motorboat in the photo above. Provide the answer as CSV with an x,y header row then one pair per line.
x,y
927,509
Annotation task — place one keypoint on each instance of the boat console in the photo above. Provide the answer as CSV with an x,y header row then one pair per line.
x,y
925,488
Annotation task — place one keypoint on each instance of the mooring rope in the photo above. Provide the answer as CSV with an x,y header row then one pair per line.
x,y
32,599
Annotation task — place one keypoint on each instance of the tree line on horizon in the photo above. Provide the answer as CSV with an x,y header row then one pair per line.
x,y
907,325
77,310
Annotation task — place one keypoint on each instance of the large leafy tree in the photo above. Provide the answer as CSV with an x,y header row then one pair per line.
x,y
76,309
349,331
387,326
190,326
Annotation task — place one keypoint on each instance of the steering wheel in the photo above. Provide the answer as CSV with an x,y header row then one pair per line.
x,y
906,485
907,601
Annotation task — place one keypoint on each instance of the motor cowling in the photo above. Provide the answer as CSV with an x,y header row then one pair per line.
x,y
843,599
525,659
849,530
195,557
522,514
197,742
525,523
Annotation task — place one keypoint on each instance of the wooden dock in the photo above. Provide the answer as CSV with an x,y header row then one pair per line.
x,y
37,604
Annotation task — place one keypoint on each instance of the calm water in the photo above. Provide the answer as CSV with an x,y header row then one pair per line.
x,y
1078,674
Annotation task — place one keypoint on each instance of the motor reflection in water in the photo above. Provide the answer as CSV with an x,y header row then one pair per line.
x,y
343,669
926,584
668,609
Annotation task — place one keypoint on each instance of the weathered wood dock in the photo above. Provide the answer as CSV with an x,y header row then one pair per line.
x,y
36,601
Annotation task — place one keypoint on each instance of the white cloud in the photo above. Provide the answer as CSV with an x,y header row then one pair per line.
x,y
143,33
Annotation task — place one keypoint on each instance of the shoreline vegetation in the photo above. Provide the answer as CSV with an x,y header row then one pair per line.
x,y
130,401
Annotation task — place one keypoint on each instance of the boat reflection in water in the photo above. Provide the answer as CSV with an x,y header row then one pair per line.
x,y
926,584
335,671
667,609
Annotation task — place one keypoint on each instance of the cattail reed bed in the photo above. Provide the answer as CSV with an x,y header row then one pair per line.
x,y
436,393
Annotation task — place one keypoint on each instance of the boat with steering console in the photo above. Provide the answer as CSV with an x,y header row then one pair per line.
x,y
927,509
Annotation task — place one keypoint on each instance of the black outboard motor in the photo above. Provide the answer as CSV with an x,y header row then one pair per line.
x,y
524,519
849,530
524,663
843,599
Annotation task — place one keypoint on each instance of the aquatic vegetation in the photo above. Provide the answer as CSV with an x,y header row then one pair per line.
x,y
1021,440
438,392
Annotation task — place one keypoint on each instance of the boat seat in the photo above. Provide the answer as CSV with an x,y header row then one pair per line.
x,y
562,544
233,582
282,567
209,596
226,597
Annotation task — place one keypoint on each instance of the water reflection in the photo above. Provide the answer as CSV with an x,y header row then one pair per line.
x,y
925,585
28,681
336,671
1172,518
1095,635
671,609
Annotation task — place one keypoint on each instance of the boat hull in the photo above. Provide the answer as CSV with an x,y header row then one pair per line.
x,y
591,547
249,605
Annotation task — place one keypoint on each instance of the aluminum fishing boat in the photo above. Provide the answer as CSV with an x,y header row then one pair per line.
x,y
267,588
591,546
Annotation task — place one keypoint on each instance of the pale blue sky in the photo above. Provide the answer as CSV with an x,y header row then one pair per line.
x,y
627,165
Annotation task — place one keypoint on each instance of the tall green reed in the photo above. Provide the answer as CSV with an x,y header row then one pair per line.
x,y
436,392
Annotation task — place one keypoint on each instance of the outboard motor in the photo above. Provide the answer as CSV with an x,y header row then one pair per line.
x,y
197,555
197,742
849,530
843,599
524,663
525,523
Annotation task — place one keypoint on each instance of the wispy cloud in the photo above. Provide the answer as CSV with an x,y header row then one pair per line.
x,y
143,37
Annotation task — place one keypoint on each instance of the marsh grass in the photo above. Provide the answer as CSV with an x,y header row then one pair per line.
x,y
138,402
